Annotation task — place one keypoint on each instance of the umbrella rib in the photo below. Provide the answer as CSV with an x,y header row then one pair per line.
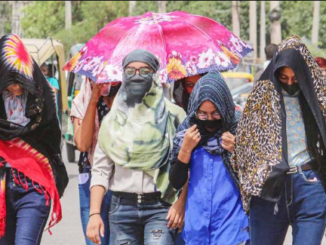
x,y
163,41
201,32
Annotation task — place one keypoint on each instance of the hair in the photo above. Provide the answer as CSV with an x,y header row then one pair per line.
x,y
270,50
321,62
45,65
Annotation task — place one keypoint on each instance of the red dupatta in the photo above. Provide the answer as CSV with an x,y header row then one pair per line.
x,y
24,158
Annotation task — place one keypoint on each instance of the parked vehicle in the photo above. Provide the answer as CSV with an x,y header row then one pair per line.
x,y
74,84
52,51
240,84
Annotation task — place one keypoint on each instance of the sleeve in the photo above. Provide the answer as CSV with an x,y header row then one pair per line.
x,y
102,169
178,174
54,82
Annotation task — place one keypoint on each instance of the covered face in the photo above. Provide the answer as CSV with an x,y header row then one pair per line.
x,y
211,107
189,83
15,89
288,80
139,67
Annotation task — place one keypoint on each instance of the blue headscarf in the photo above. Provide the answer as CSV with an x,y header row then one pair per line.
x,y
210,87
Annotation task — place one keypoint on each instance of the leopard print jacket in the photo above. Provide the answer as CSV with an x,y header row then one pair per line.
x,y
259,134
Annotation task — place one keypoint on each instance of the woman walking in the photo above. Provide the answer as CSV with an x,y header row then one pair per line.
x,y
32,174
131,158
91,105
203,145
279,155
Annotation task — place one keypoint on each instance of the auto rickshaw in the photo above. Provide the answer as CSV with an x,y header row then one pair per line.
x,y
52,51
74,83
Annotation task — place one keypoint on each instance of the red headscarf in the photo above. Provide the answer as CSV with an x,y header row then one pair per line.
x,y
321,62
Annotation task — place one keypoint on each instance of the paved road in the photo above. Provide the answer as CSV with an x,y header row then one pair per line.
x,y
69,230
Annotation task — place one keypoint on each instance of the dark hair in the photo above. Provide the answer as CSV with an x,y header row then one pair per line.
x,y
270,50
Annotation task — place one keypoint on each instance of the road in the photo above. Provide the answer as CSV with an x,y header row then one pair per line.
x,y
69,230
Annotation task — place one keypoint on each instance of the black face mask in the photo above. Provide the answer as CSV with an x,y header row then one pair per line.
x,y
291,89
211,125
136,88
114,90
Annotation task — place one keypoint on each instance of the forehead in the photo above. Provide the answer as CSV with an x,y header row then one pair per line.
x,y
287,71
137,65
192,79
207,106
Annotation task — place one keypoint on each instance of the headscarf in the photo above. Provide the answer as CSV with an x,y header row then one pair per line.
x,y
139,135
260,155
33,148
210,87
142,55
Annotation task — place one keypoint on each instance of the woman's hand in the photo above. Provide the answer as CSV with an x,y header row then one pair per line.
x,y
94,227
228,141
96,92
191,139
176,214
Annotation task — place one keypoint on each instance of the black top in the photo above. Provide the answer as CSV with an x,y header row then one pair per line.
x,y
178,174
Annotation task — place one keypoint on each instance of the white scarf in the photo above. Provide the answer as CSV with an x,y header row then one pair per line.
x,y
15,107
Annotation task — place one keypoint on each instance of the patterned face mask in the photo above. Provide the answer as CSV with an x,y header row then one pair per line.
x,y
15,107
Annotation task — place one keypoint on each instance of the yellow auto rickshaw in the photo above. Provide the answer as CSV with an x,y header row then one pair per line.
x,y
52,51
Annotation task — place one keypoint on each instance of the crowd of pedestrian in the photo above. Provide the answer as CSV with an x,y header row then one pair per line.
x,y
190,170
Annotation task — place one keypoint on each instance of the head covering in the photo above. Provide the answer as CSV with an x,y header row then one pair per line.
x,y
210,87
32,148
142,55
260,155
321,62
180,94
139,136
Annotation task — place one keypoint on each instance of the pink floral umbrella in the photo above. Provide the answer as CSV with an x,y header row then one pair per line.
x,y
185,44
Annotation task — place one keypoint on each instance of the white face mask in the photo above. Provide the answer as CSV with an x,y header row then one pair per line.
x,y
105,91
15,107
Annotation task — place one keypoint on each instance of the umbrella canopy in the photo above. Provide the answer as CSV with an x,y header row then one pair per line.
x,y
185,44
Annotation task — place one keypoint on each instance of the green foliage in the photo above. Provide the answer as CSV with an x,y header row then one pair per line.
x,y
47,18
5,10
43,19
297,17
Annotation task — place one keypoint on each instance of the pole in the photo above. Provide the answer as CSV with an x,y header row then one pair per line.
x,y
162,6
276,34
315,24
262,31
236,18
253,26
68,17
132,5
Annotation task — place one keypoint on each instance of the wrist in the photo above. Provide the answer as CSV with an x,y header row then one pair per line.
x,y
94,214
93,101
186,151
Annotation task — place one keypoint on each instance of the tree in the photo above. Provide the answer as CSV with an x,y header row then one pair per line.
x,y
43,19
47,18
